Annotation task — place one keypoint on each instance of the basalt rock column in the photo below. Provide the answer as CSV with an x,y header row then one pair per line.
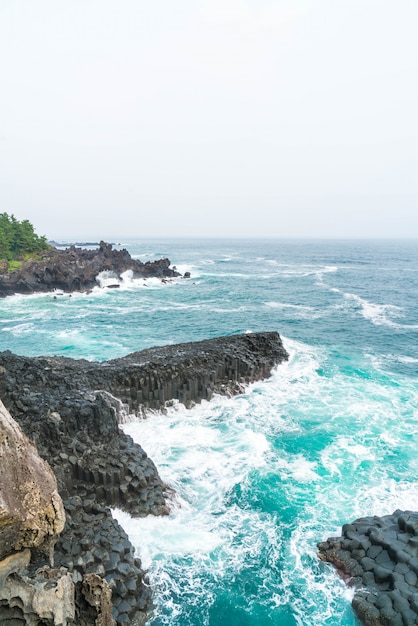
x,y
379,556
71,410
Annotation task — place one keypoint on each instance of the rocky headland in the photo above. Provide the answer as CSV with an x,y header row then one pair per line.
x,y
71,411
379,557
77,269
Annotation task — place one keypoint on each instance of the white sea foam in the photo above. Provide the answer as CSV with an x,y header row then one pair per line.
x,y
326,596
236,309
23,299
24,328
328,269
182,268
260,478
381,362
107,278
205,453
298,311
296,468
127,282
407,359
207,262
217,275
379,314
286,305
69,334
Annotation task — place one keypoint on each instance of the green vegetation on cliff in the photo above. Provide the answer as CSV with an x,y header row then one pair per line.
x,y
18,239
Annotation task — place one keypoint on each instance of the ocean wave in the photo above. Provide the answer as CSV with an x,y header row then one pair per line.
x,y
127,282
380,314
298,310
236,309
396,361
217,456
205,453
304,270
23,328
406,359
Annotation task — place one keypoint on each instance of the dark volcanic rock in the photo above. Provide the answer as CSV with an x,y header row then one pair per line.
x,y
71,410
76,269
379,556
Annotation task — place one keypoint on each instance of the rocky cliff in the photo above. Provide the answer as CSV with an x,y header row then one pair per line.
x,y
31,510
31,519
71,411
77,269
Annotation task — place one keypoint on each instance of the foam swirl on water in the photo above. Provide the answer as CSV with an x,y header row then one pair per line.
x,y
261,478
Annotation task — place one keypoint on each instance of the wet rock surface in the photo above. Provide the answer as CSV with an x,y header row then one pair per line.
x,y
76,269
379,556
71,410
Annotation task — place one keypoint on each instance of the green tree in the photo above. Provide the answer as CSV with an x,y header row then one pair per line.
x,y
18,239
5,236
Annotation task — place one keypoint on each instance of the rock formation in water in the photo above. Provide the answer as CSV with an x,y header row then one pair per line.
x,y
76,269
379,557
72,409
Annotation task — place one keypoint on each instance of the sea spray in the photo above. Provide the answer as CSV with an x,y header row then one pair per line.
x,y
262,477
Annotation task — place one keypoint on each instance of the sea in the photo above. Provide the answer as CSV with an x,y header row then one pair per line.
x,y
262,477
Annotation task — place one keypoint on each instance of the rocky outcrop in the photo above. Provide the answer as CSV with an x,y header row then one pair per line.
x,y
379,557
77,269
94,548
31,518
72,410
31,510
43,598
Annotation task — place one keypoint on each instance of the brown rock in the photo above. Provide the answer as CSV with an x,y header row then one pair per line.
x,y
98,595
47,598
31,510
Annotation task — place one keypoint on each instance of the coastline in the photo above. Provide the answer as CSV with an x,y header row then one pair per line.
x,y
75,427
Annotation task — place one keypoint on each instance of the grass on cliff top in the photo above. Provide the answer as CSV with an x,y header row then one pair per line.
x,y
16,264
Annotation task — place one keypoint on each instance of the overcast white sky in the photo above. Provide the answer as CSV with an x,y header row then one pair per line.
x,y
141,118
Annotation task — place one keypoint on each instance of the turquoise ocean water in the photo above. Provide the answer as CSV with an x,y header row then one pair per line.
x,y
262,477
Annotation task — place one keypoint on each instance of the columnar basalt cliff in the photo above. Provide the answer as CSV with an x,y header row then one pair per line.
x,y
71,411
379,557
77,269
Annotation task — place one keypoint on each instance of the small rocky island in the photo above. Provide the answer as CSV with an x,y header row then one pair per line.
x,y
77,269
68,412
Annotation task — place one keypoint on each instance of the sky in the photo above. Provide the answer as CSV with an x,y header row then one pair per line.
x,y
210,118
